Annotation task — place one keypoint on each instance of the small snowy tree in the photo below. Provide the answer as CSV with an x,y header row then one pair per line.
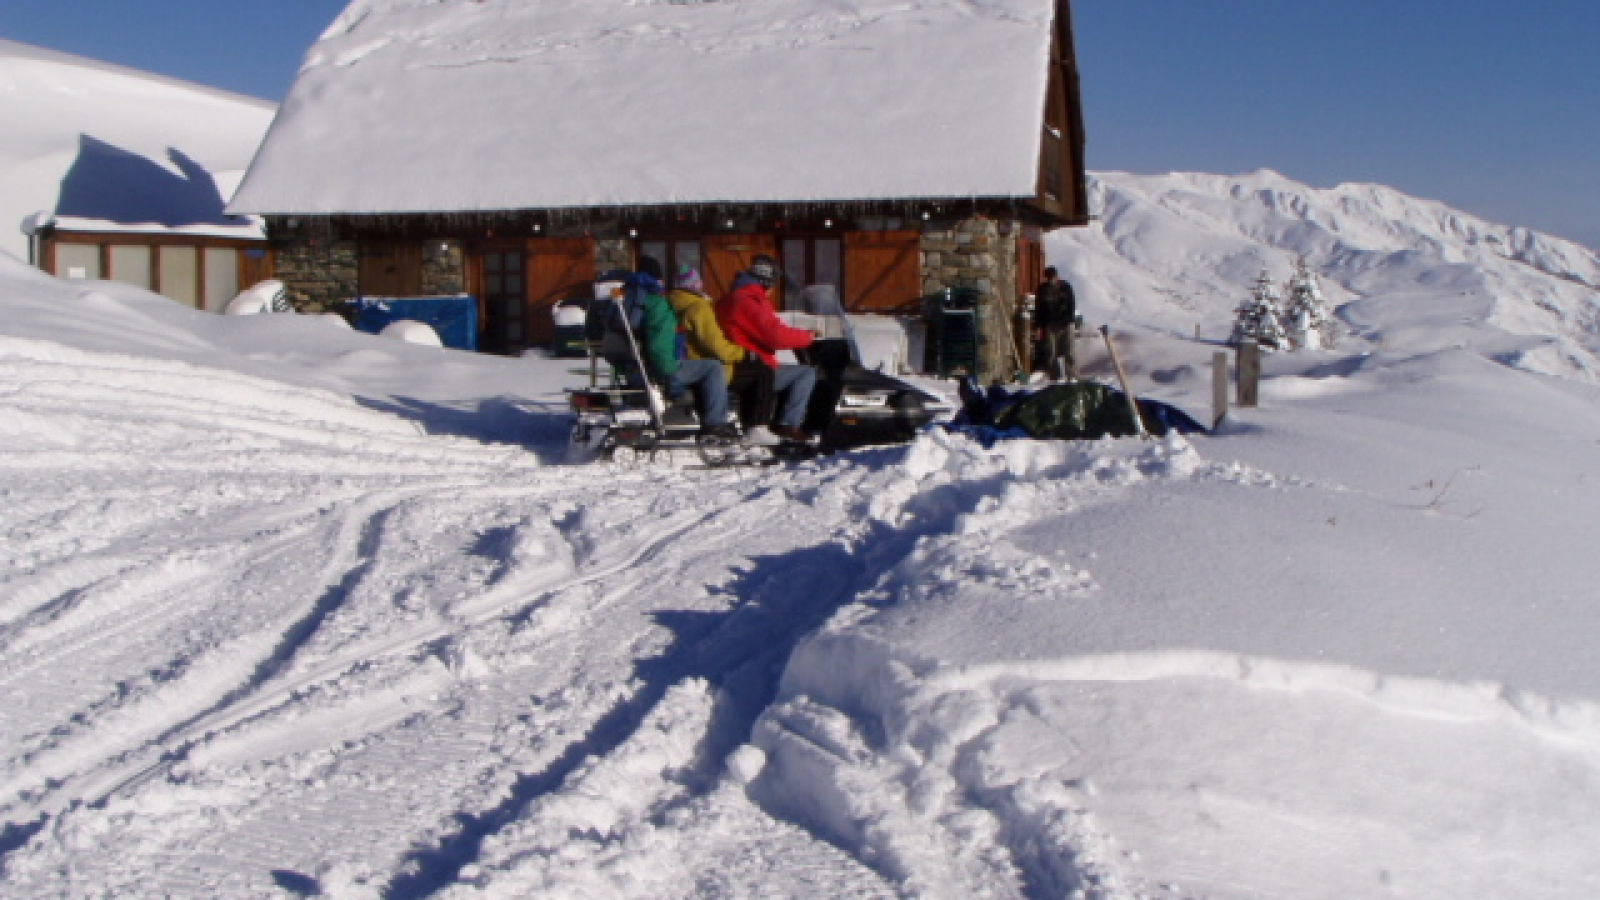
x,y
1307,321
1259,319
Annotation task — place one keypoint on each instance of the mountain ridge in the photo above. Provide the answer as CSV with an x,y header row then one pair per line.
x,y
1179,251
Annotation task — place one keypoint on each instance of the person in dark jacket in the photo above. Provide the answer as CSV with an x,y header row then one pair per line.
x,y
1055,314
747,318
658,346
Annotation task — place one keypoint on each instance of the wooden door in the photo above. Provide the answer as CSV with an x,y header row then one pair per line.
x,y
255,266
1030,272
726,255
389,269
502,291
1030,265
883,272
558,268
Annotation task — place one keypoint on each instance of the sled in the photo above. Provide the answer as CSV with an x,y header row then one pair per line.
x,y
633,425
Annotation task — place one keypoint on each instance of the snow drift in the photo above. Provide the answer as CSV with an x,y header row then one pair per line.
x,y
292,610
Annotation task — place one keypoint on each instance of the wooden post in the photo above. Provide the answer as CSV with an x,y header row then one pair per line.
x,y
1122,378
1249,373
1219,387
1026,317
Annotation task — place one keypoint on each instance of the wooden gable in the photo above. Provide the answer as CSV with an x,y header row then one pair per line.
x,y
1063,178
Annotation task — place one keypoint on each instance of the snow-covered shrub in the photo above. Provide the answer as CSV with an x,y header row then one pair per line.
x,y
1260,318
1307,320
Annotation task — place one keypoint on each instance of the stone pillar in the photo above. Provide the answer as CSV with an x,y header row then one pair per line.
x,y
444,270
612,253
979,254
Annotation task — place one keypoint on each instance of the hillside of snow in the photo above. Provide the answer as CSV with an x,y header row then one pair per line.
x,y
1179,251
291,611
108,146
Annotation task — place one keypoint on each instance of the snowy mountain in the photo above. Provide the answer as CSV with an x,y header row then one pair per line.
x,y
65,116
291,611
1179,251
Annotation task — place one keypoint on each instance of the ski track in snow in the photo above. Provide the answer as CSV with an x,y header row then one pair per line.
x,y
448,600
304,649
488,621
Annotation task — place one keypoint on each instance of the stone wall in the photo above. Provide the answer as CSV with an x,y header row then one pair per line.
x,y
320,275
981,254
612,253
323,275
444,270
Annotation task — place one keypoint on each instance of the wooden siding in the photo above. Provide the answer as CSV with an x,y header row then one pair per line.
x,y
726,255
558,268
390,269
883,271
254,261
1063,178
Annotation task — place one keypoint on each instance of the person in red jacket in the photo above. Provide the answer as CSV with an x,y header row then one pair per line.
x,y
747,318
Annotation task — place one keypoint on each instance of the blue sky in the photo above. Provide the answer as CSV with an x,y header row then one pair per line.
x,y
1492,107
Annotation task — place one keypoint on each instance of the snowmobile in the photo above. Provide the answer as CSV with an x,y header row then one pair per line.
x,y
851,406
628,425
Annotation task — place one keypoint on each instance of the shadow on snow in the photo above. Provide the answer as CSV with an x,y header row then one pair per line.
x,y
741,652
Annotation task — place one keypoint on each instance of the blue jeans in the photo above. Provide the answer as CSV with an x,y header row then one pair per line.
x,y
795,383
708,380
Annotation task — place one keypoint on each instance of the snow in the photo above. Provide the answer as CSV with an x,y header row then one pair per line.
x,y
1191,239
412,333
294,610
98,147
291,610
403,106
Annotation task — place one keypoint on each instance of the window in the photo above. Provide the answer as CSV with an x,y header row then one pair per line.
x,y
130,264
180,275
808,261
203,278
671,255
222,277
77,261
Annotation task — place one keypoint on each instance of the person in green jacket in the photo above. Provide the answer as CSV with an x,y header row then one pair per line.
x,y
658,345
749,378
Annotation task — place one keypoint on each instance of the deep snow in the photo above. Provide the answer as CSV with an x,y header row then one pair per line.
x,y
287,610
291,610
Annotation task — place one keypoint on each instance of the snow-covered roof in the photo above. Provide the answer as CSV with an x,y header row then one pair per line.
x,y
87,145
413,106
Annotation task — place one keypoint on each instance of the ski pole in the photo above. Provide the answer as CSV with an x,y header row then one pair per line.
x,y
650,400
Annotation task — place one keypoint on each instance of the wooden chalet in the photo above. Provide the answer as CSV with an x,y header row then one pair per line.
x,y
892,154
189,266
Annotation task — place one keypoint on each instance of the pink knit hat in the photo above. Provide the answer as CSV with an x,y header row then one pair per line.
x,y
689,279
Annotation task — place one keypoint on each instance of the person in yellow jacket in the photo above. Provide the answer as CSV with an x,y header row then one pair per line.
x,y
750,378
